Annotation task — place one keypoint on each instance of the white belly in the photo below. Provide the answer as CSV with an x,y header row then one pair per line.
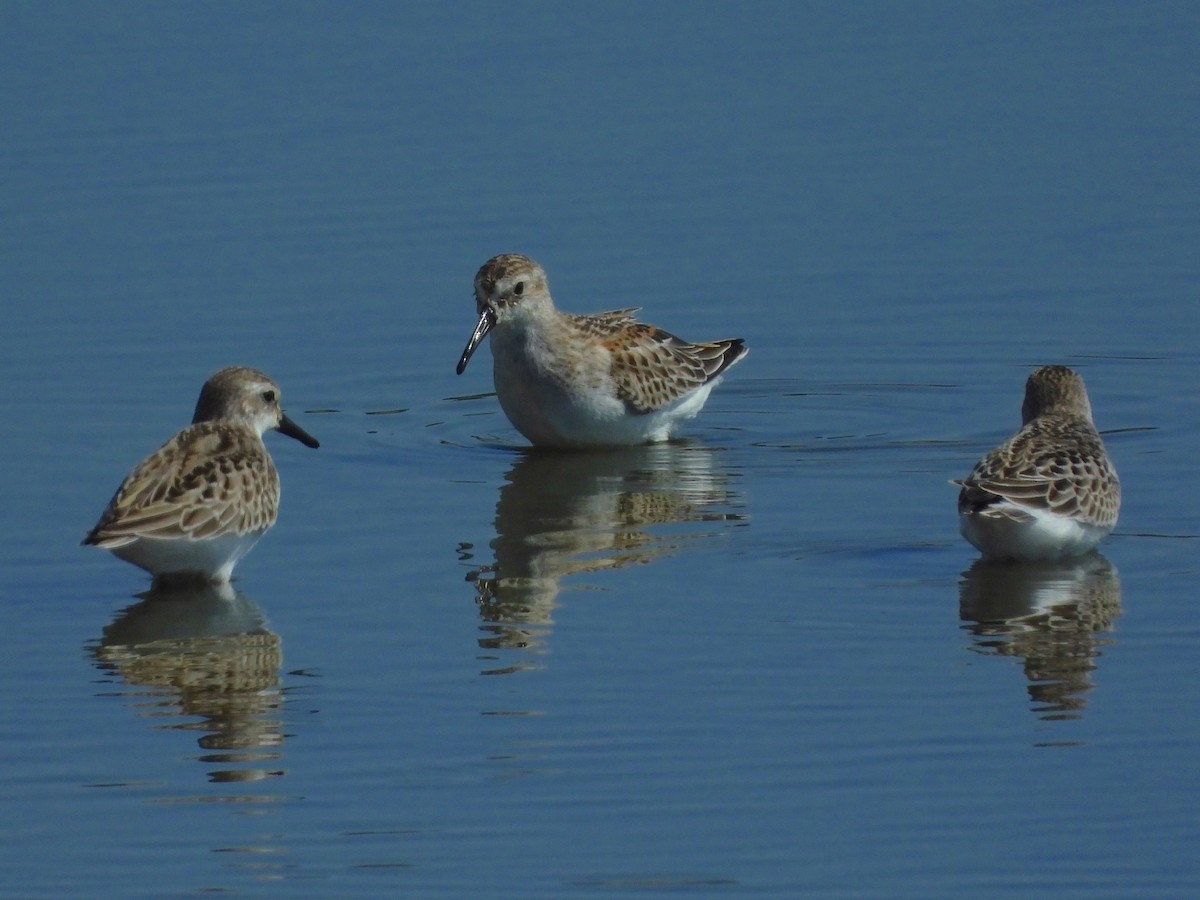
x,y
1004,531
211,559
584,413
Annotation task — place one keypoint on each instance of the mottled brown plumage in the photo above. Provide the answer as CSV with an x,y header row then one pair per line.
x,y
652,367
210,478
199,502
1052,463
1054,473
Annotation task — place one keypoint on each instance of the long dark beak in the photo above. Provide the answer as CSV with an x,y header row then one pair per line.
x,y
486,320
292,430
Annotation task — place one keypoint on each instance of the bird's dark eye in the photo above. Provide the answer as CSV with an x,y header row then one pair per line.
x,y
268,396
519,288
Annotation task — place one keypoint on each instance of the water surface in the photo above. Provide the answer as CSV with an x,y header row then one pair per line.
x,y
757,662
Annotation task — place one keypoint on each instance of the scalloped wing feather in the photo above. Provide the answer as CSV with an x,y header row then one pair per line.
x,y
651,367
1057,466
212,478
605,324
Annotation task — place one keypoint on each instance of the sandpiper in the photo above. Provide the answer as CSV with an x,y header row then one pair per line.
x,y
1050,491
602,380
193,508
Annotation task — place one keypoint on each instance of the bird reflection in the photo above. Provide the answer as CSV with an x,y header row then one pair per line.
x,y
564,514
206,652
1051,614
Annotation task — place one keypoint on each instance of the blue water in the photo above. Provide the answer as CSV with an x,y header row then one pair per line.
x,y
759,662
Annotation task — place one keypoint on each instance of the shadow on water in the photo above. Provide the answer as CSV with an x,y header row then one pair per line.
x,y
1052,615
564,514
203,653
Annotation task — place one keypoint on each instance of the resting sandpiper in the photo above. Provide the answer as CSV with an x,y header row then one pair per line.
x,y
1050,491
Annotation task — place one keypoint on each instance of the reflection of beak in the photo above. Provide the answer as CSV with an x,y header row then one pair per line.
x,y
292,430
486,320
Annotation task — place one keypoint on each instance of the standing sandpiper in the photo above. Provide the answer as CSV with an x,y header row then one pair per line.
x,y
603,380
191,509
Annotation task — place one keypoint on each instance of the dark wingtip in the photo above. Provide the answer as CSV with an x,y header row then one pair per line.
x,y
93,537
975,499
734,353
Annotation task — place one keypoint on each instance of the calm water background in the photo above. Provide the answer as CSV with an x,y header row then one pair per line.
x,y
756,663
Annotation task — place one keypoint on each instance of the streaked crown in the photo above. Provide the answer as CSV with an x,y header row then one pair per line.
x,y
506,280
240,394
1056,389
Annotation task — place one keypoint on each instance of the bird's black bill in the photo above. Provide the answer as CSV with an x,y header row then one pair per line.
x,y
292,430
486,320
